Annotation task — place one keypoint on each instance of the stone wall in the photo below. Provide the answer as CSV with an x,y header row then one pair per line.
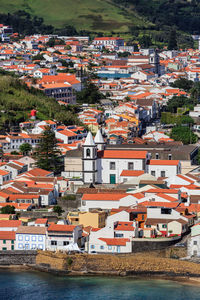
x,y
142,245
52,217
17,257
70,204
128,264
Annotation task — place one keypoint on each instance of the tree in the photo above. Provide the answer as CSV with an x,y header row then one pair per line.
x,y
68,47
47,154
90,93
183,83
145,41
172,43
183,134
180,101
8,209
57,209
25,148
195,91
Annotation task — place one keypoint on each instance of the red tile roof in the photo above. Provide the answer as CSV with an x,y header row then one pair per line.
x,y
104,197
60,227
41,221
7,235
125,226
124,154
134,173
10,223
115,241
161,162
38,172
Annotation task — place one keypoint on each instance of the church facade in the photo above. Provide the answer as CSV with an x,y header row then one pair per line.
x,y
105,166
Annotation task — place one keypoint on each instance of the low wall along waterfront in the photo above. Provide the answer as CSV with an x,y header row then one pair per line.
x,y
18,257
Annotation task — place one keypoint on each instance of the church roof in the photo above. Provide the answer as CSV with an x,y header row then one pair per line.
x,y
99,138
89,140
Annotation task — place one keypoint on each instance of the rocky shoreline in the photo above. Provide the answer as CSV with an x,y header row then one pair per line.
x,y
185,278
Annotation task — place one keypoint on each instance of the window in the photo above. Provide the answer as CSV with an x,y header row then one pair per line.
x,y
169,156
20,246
195,243
195,252
33,246
40,238
41,246
109,247
12,247
148,226
166,211
153,173
164,226
119,235
12,242
101,247
92,246
157,156
142,217
130,166
87,152
112,165
54,243
162,173
65,243
26,238
4,249
4,241
20,238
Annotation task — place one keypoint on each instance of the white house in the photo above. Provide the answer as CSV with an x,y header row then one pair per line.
x,y
115,237
164,168
106,201
193,245
4,176
60,236
166,221
14,168
9,225
30,238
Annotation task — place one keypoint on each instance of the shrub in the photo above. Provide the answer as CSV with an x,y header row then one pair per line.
x,y
69,261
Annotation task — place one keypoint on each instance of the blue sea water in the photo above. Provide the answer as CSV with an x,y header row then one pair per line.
x,y
40,286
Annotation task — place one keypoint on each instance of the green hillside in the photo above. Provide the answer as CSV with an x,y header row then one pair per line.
x,y
17,100
93,15
182,14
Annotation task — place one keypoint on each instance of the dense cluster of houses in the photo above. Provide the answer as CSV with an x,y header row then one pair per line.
x,y
131,181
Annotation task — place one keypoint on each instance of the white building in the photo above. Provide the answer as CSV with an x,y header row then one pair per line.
x,y
106,166
30,238
115,237
194,241
106,201
60,236
164,168
9,225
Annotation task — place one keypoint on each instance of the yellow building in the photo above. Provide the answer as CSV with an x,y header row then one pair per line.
x,y
93,218
73,217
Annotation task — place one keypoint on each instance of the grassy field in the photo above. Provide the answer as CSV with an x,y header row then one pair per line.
x,y
95,15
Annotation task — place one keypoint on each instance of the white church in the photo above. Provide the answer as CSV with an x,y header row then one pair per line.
x,y
105,166
96,163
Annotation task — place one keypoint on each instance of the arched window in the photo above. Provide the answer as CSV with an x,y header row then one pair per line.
x,y
87,152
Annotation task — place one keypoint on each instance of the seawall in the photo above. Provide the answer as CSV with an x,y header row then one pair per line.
x,y
17,257
124,265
